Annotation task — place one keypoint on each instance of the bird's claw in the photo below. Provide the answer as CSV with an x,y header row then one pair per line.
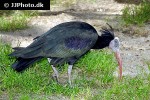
x,y
70,84
55,78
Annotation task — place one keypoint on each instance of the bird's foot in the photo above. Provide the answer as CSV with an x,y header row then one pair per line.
x,y
69,82
55,78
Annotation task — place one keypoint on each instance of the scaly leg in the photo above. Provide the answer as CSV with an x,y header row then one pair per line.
x,y
69,73
55,74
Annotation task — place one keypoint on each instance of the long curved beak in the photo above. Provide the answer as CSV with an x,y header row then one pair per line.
x,y
119,60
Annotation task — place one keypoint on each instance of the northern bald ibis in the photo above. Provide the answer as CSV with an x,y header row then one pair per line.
x,y
66,42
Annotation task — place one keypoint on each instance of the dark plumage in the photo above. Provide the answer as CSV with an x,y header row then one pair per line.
x,y
66,42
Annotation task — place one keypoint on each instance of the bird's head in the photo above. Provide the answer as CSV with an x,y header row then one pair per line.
x,y
114,44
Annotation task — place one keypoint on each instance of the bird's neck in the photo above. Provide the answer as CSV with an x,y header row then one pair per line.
x,y
100,43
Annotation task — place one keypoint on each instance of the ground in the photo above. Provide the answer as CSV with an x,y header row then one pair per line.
x,y
135,49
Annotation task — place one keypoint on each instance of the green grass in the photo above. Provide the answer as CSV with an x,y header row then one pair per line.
x,y
94,80
137,14
15,20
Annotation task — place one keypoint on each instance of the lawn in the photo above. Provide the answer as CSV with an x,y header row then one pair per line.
x,y
92,80
15,20
137,14
92,75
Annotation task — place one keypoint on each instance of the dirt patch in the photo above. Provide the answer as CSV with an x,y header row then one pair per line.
x,y
135,50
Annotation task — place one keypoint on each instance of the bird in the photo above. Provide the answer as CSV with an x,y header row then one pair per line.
x,y
66,43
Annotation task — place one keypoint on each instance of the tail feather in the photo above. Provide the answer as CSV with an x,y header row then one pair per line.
x,y
21,63
18,48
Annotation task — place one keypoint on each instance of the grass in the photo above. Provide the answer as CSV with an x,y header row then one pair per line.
x,y
137,14
15,20
94,80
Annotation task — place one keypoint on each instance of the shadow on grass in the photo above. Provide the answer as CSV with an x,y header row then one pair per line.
x,y
129,1
34,31
78,14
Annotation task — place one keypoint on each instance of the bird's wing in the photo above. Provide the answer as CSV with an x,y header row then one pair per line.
x,y
65,41
69,47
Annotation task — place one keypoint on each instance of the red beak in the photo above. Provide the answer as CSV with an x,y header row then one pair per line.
x,y
119,60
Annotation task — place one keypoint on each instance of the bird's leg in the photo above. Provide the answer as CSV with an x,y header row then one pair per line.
x,y
55,75
69,73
